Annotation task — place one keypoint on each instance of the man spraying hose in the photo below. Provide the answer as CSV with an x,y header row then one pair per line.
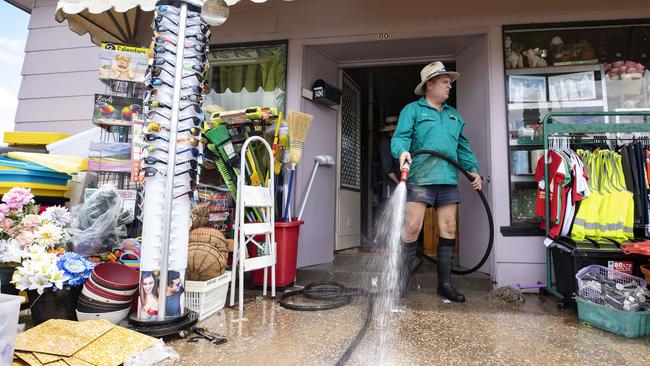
x,y
430,124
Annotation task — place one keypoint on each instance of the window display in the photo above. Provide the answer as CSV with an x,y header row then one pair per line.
x,y
572,67
241,77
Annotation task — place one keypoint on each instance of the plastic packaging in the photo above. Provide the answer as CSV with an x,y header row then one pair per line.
x,y
9,309
99,222
156,353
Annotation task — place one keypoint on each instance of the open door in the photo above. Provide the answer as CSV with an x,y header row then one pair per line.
x,y
348,218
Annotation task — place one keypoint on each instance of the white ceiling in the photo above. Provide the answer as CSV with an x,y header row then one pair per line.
x,y
398,51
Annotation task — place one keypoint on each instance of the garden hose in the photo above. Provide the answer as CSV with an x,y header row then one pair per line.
x,y
337,295
486,205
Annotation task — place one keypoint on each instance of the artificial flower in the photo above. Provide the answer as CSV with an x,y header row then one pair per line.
x,y
31,222
17,197
25,238
10,251
57,277
48,235
58,215
39,271
39,282
4,210
76,267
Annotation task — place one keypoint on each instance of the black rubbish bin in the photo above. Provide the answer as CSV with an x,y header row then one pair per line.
x,y
567,262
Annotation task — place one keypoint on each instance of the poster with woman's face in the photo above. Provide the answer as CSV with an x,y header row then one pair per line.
x,y
148,297
149,294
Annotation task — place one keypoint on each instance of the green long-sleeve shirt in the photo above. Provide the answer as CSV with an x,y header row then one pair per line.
x,y
422,127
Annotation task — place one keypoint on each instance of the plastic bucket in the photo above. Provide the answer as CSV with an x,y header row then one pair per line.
x,y
9,309
286,237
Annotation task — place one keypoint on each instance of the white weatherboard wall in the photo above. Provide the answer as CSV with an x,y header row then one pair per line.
x,y
59,76
56,54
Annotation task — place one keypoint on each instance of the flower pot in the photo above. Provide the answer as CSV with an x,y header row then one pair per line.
x,y
54,305
6,287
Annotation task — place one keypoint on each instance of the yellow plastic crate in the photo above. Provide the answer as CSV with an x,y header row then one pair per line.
x,y
33,138
38,189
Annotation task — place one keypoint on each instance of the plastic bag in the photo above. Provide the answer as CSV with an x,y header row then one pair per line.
x,y
99,222
156,353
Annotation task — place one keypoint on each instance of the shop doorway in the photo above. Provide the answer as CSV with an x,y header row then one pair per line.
x,y
385,89
341,216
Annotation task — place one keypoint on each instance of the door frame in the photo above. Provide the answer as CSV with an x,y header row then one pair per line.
x,y
339,123
405,36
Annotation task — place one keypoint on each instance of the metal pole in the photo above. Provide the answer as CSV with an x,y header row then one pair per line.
x,y
171,163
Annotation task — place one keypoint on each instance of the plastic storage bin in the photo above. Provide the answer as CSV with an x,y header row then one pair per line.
x,y
616,276
566,265
207,297
9,309
625,323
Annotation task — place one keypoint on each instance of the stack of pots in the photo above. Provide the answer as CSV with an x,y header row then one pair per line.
x,y
108,293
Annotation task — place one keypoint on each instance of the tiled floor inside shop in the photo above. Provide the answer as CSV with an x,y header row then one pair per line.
x,y
423,330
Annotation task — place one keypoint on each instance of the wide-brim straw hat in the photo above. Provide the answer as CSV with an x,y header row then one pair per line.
x,y
389,124
432,70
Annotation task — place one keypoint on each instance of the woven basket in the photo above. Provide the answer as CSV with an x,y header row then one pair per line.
x,y
207,254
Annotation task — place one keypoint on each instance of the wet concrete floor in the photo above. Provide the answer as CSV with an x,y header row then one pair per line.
x,y
424,331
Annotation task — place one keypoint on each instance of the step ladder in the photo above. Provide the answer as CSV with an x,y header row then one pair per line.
x,y
261,198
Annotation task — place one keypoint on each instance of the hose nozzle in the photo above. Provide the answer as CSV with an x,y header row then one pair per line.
x,y
405,172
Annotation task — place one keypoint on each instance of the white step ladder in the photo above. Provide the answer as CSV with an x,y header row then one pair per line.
x,y
259,197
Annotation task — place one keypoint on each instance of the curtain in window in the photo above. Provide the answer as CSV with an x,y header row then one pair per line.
x,y
245,77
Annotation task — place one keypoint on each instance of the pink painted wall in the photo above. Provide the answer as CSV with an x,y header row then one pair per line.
x,y
317,234
473,104
54,98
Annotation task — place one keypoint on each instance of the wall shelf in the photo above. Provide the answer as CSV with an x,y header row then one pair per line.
x,y
553,69
556,105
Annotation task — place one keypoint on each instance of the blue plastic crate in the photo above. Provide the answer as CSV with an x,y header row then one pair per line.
x,y
625,323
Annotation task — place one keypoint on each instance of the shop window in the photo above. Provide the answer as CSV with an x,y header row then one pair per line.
x,y
242,77
576,67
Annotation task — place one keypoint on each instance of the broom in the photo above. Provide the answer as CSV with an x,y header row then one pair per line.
x,y
299,124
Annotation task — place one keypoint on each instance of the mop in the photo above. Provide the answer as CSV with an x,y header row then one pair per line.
x,y
318,160
299,124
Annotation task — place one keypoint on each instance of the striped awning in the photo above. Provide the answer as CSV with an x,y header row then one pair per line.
x,y
118,21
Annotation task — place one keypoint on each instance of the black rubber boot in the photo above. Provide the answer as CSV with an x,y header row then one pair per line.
x,y
445,254
407,260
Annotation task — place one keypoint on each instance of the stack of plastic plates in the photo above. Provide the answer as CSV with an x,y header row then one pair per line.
x,y
108,293
41,180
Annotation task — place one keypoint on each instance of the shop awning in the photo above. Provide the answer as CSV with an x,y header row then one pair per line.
x,y
117,20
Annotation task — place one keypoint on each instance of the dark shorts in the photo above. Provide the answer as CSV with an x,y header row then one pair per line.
x,y
435,195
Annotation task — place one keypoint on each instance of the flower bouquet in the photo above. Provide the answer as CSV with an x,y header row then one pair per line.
x,y
21,226
52,280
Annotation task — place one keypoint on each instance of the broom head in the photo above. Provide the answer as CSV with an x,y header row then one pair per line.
x,y
298,124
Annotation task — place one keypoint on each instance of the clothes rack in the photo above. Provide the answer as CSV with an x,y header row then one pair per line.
x,y
551,127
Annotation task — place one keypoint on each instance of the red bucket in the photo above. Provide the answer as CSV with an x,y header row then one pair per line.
x,y
286,237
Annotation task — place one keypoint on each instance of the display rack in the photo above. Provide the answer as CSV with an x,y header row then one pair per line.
x,y
552,127
166,218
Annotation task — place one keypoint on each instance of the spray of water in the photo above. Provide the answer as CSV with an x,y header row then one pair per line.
x,y
388,229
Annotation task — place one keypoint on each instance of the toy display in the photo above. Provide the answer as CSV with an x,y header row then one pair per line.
x,y
538,54
514,58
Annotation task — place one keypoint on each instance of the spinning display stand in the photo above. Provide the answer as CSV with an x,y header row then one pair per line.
x,y
171,162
